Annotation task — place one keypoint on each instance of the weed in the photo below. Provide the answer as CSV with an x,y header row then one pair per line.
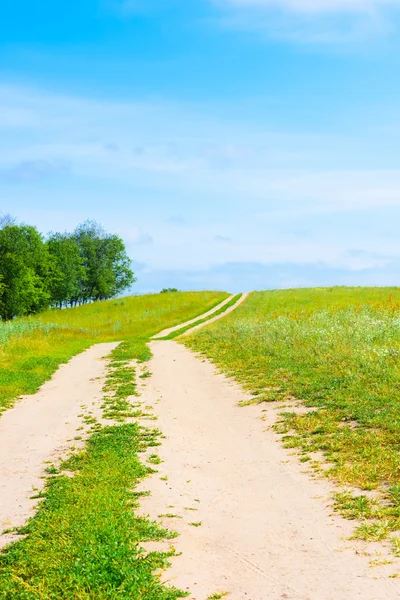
x,y
145,375
356,507
376,530
52,470
154,459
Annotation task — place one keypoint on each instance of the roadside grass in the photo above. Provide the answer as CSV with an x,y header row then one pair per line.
x,y
338,351
85,540
32,349
183,330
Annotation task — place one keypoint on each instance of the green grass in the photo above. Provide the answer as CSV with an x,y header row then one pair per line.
x,y
85,540
337,350
220,311
32,349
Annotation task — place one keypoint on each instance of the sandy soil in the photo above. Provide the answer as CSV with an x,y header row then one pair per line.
x,y
266,530
39,428
207,314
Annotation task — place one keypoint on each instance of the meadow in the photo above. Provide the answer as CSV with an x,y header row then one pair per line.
x,y
337,350
32,348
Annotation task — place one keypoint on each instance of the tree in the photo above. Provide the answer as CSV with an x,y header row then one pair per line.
x,y
107,267
68,270
25,271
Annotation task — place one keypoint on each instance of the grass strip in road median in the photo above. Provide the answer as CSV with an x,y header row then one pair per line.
x,y
85,540
183,330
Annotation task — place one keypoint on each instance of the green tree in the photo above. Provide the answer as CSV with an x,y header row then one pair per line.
x,y
68,270
26,269
107,267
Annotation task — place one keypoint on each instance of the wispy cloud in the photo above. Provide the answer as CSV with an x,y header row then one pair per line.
x,y
185,152
28,171
311,21
198,180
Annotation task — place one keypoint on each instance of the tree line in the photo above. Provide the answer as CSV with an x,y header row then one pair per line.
x,y
62,270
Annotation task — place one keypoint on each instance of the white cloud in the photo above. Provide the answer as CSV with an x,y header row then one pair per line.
x,y
187,153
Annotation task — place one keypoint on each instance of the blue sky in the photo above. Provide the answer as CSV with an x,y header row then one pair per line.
x,y
233,144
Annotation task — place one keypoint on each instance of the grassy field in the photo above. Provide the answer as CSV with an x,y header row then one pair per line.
x,y
338,351
32,349
85,540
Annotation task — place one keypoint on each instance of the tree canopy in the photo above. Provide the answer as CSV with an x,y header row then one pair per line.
x,y
66,269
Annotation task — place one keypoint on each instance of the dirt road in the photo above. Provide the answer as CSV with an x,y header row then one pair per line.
x,y
203,316
250,521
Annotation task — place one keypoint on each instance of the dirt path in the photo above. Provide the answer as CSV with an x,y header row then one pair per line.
x,y
207,314
251,523
228,310
41,427
38,428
